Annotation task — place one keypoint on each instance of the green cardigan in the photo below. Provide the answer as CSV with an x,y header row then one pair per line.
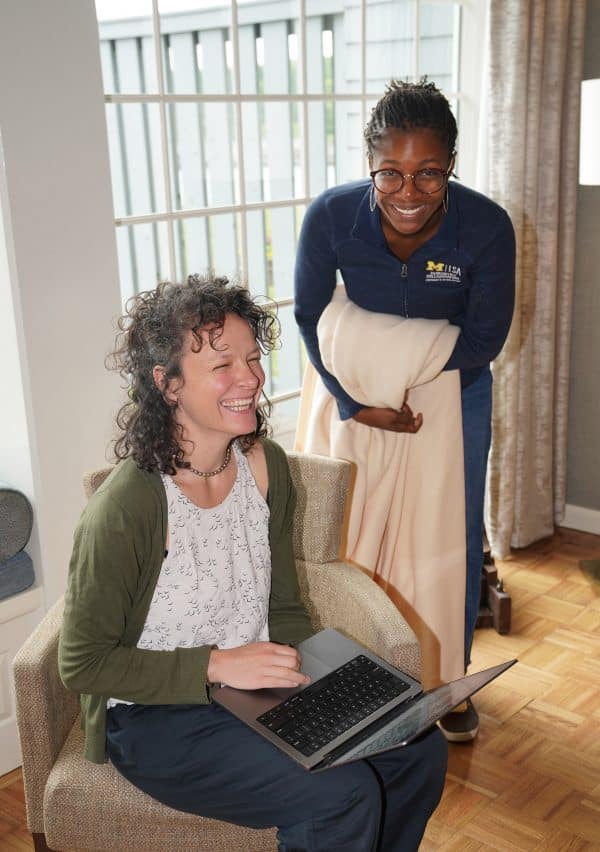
x,y
117,555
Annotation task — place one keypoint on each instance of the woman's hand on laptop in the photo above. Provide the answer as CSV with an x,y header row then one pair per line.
x,y
260,665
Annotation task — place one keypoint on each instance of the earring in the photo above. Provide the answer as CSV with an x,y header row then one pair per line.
x,y
372,199
445,201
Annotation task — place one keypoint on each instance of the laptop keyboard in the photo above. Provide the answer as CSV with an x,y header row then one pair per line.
x,y
314,717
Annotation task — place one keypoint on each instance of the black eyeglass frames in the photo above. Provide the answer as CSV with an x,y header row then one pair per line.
x,y
427,181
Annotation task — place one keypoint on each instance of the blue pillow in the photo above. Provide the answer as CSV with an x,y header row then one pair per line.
x,y
16,575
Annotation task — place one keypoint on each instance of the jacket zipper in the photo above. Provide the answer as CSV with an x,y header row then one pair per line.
x,y
404,274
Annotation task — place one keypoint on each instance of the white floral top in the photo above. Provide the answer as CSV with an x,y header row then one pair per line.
x,y
215,581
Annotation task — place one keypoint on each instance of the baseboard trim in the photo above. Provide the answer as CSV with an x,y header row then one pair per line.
x,y
580,518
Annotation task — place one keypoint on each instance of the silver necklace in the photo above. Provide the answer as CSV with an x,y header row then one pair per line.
x,y
220,469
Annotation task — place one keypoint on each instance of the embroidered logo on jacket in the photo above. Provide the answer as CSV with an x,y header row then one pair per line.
x,y
442,273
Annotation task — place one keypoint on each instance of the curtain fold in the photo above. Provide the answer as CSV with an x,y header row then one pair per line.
x,y
535,61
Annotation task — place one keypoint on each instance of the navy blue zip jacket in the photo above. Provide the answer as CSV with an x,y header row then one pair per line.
x,y
465,273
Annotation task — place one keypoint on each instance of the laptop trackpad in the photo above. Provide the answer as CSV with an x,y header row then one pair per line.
x,y
311,666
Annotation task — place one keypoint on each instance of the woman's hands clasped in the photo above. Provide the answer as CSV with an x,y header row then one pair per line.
x,y
259,665
390,419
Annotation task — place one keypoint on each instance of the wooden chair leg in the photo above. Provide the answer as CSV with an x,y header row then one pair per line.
x,y
39,842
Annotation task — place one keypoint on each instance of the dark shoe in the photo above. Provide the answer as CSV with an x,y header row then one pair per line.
x,y
460,726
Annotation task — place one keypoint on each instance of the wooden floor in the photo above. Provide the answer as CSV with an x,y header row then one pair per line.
x,y
531,780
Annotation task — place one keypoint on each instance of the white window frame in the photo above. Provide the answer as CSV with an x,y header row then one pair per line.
x,y
469,67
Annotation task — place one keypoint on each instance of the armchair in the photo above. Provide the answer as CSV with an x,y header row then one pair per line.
x,y
73,804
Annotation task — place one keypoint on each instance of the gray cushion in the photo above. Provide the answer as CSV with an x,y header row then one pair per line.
x,y
16,519
16,574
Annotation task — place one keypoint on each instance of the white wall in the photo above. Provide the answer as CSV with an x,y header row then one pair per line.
x,y
59,291
15,460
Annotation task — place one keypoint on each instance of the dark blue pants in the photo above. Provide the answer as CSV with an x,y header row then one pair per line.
x,y
201,759
477,432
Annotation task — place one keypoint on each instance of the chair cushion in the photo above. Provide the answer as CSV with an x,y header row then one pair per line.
x,y
91,806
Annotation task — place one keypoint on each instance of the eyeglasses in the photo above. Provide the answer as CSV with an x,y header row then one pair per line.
x,y
426,181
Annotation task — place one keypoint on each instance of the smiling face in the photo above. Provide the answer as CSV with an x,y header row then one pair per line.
x,y
407,214
220,385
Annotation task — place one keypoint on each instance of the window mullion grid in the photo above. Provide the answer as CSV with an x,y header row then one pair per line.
x,y
164,99
317,97
363,61
164,144
237,89
456,56
417,36
193,212
284,397
302,89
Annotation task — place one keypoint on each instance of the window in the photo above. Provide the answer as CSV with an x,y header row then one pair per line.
x,y
225,118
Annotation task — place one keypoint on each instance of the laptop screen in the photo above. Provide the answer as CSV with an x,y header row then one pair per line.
x,y
420,714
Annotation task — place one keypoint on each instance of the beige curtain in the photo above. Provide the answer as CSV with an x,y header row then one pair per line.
x,y
534,66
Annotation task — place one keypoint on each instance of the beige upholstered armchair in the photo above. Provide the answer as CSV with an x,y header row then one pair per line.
x,y
73,804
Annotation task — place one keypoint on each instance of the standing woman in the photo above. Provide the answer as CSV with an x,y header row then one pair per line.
x,y
410,242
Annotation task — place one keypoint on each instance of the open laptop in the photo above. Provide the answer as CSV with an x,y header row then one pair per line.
x,y
355,706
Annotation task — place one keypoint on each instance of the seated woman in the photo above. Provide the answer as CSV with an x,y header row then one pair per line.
x,y
183,575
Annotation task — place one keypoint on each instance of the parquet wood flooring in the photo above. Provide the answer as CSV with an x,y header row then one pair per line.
x,y
531,780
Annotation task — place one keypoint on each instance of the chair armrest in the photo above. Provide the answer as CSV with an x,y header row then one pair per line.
x,y
46,710
340,595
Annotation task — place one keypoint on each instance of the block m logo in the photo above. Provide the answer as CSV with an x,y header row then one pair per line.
x,y
432,266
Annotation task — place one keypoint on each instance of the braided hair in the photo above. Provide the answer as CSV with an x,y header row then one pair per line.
x,y
405,106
